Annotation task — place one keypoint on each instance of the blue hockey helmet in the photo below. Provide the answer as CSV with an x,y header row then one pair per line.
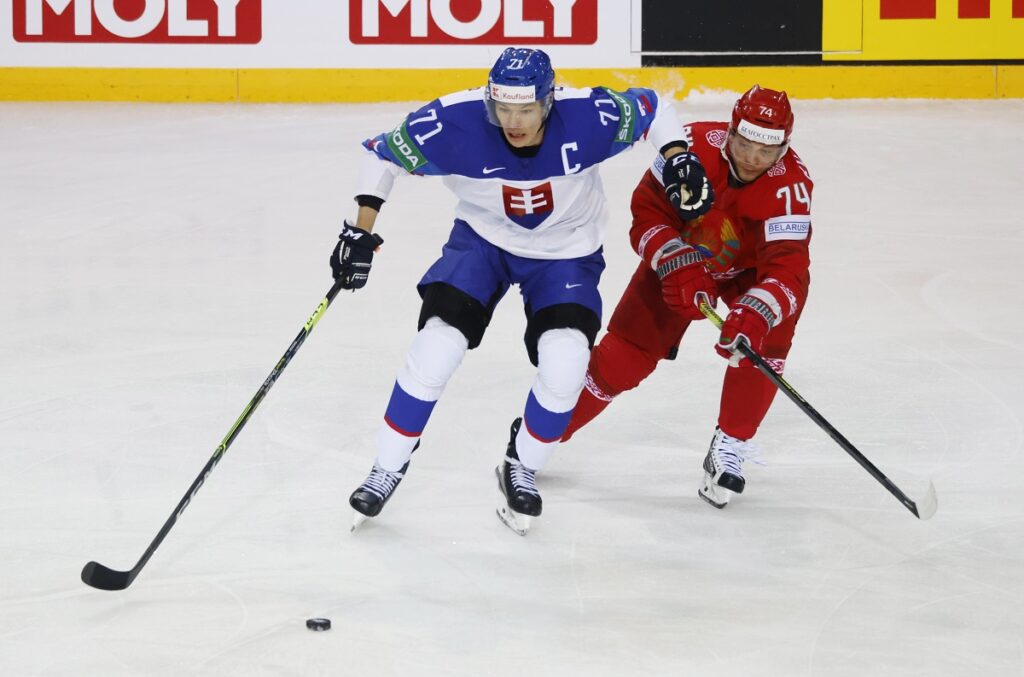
x,y
520,75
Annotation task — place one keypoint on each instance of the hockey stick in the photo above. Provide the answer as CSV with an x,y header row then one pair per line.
x,y
105,578
923,511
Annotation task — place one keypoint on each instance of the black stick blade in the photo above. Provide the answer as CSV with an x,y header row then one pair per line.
x,y
102,578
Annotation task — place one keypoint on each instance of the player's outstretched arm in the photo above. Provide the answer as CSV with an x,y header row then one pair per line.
x,y
686,183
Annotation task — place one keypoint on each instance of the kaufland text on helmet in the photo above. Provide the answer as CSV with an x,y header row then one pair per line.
x,y
216,21
479,21
508,94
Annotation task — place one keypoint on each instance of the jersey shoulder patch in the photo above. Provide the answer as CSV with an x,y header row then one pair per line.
x,y
400,144
788,227
625,131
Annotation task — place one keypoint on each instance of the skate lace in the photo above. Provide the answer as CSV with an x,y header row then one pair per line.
x,y
523,479
730,453
381,481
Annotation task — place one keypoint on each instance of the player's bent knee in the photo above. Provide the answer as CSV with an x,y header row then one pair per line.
x,y
456,308
618,365
563,355
435,354
560,316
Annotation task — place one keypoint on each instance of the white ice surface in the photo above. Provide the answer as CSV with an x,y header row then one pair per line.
x,y
156,261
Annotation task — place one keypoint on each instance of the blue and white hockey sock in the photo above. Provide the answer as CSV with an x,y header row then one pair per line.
x,y
435,354
562,365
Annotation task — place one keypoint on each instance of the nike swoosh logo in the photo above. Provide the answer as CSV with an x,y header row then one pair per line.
x,y
573,286
491,170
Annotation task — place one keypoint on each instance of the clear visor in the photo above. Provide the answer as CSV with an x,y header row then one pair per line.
x,y
510,106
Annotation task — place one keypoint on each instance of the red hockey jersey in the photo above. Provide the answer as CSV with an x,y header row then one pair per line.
x,y
763,226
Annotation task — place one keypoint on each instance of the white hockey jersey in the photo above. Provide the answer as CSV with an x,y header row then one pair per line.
x,y
548,206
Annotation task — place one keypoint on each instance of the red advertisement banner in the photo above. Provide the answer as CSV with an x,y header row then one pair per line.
x,y
138,21
407,22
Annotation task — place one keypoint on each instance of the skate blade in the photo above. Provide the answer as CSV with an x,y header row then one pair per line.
x,y
714,494
515,521
357,519
711,502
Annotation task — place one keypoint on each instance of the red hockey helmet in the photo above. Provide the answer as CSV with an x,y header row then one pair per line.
x,y
763,115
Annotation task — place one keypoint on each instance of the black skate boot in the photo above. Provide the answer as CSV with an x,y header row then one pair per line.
x,y
519,487
723,469
369,497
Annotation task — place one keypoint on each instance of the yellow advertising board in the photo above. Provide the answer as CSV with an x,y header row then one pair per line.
x,y
923,30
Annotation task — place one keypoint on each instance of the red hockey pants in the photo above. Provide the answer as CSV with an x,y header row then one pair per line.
x,y
643,331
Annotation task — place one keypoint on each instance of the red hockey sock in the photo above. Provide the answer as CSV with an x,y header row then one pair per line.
x,y
746,396
587,409
616,365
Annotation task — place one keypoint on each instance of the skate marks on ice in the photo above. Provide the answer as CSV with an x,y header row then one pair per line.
x,y
944,616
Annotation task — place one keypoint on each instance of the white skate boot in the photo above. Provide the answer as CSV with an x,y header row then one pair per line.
x,y
723,468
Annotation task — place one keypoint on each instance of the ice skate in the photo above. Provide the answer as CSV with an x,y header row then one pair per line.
x,y
369,497
723,469
518,486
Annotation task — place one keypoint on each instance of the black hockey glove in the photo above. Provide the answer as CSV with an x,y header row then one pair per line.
x,y
353,255
687,185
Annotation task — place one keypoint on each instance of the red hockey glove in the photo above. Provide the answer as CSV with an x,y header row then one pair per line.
x,y
685,280
749,321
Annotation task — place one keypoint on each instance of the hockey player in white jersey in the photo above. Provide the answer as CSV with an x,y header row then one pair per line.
x,y
522,158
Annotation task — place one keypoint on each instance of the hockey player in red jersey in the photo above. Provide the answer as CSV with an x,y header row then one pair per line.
x,y
750,250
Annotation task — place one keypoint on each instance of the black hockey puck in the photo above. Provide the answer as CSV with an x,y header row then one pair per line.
x,y
318,624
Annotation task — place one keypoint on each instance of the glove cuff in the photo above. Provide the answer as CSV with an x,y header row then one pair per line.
x,y
777,294
670,264
754,300
653,243
774,296
678,143
357,237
